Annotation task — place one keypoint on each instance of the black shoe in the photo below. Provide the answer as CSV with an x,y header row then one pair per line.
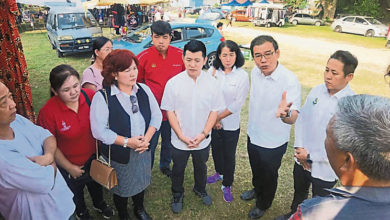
x,y
248,195
284,217
166,171
142,214
255,213
83,215
177,203
105,210
206,199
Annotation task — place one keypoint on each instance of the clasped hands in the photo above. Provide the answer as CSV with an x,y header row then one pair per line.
x,y
192,142
139,143
301,155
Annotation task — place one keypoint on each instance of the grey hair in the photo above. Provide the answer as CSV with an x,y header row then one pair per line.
x,y
362,127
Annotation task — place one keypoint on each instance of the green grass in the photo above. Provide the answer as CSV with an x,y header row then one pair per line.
x,y
324,32
41,59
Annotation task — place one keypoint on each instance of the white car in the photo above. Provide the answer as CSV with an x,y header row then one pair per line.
x,y
367,26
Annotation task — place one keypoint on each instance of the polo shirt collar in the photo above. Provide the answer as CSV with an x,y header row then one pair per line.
x,y
275,75
157,52
115,90
372,194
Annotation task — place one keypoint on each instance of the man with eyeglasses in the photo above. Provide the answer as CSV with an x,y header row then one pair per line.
x,y
157,65
311,163
274,102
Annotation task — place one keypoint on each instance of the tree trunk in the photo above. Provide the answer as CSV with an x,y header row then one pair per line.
x,y
329,8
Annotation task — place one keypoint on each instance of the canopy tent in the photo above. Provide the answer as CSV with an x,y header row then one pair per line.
x,y
235,3
48,3
264,2
152,2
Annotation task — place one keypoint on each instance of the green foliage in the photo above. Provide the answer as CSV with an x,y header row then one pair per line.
x,y
296,4
361,7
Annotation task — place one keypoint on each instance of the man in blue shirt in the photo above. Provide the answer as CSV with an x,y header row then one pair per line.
x,y
30,186
358,147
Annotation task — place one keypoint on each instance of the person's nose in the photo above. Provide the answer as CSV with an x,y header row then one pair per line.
x,y
12,104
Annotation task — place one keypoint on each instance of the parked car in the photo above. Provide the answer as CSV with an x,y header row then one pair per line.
x,y
216,10
191,10
209,18
140,39
301,18
71,30
239,15
367,26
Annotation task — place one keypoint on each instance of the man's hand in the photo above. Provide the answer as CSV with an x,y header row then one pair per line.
x,y
43,160
284,107
196,141
144,145
301,154
218,125
305,165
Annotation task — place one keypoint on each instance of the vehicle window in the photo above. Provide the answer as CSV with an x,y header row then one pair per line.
x,y
54,22
306,16
373,21
197,32
139,35
349,19
298,15
360,21
76,20
177,35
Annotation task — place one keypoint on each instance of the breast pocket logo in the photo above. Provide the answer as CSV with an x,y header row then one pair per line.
x,y
64,126
153,65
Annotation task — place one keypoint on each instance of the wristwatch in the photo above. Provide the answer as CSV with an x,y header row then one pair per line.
x,y
205,135
125,143
288,114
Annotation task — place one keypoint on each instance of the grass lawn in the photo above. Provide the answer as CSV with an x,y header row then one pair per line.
x,y
41,59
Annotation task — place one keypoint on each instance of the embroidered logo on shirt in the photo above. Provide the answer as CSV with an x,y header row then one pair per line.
x,y
64,126
153,65
176,65
315,101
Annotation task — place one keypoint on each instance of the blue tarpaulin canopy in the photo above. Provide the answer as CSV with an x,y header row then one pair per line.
x,y
264,2
235,3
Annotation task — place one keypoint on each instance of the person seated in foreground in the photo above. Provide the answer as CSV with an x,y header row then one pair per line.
x,y
358,149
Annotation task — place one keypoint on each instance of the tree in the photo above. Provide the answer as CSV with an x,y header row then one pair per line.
x,y
329,7
296,4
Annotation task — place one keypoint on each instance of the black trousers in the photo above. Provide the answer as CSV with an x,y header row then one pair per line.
x,y
77,188
199,159
265,164
302,181
223,146
121,203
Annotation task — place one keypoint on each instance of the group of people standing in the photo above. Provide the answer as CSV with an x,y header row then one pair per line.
x,y
125,102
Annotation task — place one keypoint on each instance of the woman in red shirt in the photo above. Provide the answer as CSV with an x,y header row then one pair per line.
x,y
66,116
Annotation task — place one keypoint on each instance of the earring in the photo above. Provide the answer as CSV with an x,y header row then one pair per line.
x,y
116,78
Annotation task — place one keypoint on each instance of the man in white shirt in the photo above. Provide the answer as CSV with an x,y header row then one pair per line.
x,y
312,165
274,102
192,101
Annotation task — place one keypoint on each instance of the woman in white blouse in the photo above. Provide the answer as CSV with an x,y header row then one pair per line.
x,y
234,83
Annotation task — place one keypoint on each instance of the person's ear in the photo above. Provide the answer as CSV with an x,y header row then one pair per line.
x,y
205,60
348,163
349,77
54,91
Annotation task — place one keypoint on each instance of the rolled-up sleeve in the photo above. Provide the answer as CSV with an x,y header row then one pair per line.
x,y
156,116
242,93
99,118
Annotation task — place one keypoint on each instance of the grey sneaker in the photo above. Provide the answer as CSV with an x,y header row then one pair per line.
x,y
177,203
206,199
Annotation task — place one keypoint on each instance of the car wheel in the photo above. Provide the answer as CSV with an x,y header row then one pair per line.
x,y
210,59
280,24
338,29
268,25
370,33
60,54
294,22
317,23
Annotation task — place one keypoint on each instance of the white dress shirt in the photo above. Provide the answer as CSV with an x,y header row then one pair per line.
x,y
192,101
99,114
234,87
310,128
264,128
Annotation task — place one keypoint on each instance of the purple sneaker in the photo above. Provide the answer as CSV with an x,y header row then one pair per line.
x,y
227,193
214,178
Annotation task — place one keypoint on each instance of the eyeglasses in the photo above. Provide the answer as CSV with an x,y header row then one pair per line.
x,y
134,106
267,55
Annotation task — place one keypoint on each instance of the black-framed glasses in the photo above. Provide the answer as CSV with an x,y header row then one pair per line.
x,y
267,55
134,105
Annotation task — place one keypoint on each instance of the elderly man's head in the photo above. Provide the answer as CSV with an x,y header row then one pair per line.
x,y
358,140
7,106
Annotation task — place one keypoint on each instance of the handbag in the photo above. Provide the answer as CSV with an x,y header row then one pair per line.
x,y
100,170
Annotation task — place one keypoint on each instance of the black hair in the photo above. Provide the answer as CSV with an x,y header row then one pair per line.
x,y
195,46
220,24
233,47
160,27
59,74
350,61
260,40
98,43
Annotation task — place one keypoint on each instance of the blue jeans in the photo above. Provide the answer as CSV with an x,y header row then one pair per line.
x,y
166,147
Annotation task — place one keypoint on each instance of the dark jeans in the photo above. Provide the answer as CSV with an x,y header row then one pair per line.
x,y
121,203
199,159
265,164
77,187
165,154
302,181
223,146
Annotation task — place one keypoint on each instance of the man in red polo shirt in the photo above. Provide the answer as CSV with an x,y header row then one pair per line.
x,y
157,65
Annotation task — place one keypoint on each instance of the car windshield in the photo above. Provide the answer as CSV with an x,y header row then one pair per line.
x,y
209,16
76,20
373,21
138,35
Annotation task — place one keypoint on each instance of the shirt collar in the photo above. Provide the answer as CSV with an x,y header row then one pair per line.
x,y
340,93
275,75
115,90
372,194
154,49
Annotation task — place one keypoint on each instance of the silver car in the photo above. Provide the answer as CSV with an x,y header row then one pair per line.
x,y
300,18
367,26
